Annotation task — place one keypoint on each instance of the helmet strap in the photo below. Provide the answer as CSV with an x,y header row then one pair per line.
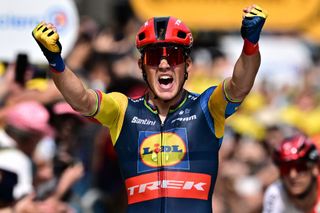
x,y
186,74
145,78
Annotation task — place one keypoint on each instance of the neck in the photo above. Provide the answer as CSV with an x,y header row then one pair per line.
x,y
164,106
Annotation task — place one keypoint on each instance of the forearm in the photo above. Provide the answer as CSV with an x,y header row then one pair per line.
x,y
243,77
71,175
71,87
248,64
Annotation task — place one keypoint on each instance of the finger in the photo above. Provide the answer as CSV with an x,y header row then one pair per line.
x,y
257,7
47,27
256,11
40,25
52,27
248,9
37,30
49,30
54,36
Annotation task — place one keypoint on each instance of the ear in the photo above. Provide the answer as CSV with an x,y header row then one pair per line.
x,y
140,63
315,170
188,63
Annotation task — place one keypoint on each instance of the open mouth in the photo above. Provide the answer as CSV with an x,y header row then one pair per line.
x,y
165,80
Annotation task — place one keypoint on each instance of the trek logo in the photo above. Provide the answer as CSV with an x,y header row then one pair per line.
x,y
175,185
170,184
184,119
168,149
136,120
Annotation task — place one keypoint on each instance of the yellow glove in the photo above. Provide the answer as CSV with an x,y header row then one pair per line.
x,y
48,40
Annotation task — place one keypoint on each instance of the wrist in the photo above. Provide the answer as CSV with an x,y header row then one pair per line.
x,y
250,48
56,63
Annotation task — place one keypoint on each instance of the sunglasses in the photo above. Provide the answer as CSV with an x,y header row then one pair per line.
x,y
299,166
174,55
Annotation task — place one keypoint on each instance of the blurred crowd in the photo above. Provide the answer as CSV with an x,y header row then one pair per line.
x,y
54,160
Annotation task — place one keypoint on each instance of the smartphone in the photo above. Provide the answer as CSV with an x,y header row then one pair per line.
x,y
22,64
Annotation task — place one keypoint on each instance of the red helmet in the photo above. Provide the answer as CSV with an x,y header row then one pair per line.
x,y
164,30
298,147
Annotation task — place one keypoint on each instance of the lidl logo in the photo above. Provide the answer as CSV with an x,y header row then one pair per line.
x,y
164,149
168,149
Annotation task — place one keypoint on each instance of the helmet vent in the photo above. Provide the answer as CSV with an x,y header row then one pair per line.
x,y
182,34
142,36
161,29
161,24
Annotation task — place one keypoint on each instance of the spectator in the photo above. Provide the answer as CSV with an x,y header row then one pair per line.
x,y
297,190
25,124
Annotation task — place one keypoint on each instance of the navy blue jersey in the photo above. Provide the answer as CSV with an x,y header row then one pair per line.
x,y
168,166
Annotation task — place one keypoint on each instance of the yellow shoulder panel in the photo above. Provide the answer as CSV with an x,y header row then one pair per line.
x,y
111,112
217,106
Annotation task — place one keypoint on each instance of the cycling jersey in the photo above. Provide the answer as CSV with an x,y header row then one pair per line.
x,y
276,200
168,166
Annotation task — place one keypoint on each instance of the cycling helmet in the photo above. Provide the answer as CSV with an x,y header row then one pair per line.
x,y
164,30
298,147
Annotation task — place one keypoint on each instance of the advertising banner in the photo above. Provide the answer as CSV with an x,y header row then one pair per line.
x,y
284,15
19,17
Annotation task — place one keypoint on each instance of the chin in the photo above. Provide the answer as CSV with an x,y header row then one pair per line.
x,y
296,191
165,97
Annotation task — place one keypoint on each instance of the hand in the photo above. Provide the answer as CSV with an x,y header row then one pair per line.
x,y
71,175
48,39
252,23
26,205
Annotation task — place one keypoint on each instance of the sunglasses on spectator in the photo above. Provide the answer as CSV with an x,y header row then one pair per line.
x,y
298,166
174,55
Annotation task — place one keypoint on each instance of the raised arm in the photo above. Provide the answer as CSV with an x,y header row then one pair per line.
x,y
246,67
71,87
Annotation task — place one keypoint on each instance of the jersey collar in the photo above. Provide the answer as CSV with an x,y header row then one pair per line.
x,y
173,108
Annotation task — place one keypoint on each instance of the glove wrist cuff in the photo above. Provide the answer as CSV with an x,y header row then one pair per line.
x,y
53,70
250,48
56,63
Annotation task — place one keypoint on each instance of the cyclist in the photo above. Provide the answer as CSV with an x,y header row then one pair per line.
x,y
297,190
168,140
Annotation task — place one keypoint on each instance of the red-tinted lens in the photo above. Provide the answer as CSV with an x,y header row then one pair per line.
x,y
152,56
299,166
173,54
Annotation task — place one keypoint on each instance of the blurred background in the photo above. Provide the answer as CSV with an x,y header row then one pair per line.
x,y
53,160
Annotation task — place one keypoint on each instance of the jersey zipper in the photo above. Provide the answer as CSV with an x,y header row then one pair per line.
x,y
161,171
160,177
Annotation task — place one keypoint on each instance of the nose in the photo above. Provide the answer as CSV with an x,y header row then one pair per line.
x,y
293,173
164,65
